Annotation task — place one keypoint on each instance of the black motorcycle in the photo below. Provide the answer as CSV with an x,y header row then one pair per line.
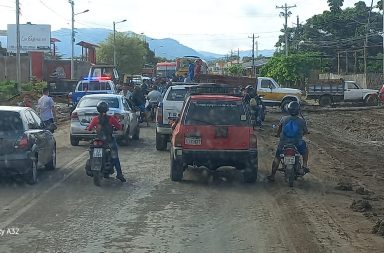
x,y
291,164
99,165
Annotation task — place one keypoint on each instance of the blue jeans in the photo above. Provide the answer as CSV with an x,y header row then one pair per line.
x,y
301,148
115,157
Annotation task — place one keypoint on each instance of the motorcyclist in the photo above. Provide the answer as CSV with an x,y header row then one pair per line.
x,y
138,98
255,104
291,130
104,127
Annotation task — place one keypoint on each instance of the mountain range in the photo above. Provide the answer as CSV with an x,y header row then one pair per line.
x,y
167,47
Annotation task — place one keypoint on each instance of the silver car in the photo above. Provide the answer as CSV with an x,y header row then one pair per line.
x,y
118,107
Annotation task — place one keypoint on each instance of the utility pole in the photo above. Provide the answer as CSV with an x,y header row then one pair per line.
x,y
366,42
253,53
72,38
18,65
286,13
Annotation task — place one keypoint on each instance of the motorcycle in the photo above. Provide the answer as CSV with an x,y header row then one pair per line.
x,y
99,164
152,108
291,164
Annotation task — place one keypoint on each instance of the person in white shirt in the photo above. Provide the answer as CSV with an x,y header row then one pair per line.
x,y
126,92
46,108
154,97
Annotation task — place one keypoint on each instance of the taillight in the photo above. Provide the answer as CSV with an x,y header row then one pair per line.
x,y
98,143
159,113
22,143
74,116
252,140
289,152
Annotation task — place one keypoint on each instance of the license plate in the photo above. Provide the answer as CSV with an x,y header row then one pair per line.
x,y
289,160
98,152
193,141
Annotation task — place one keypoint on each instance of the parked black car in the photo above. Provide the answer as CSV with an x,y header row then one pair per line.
x,y
25,144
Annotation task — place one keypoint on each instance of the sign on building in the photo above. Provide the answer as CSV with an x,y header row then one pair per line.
x,y
32,38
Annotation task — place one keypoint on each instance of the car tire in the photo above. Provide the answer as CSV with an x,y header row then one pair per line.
x,y
161,142
136,135
176,170
371,100
250,172
31,177
74,141
284,104
52,163
325,101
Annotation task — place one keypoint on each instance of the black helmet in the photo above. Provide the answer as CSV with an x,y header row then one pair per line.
x,y
102,107
293,108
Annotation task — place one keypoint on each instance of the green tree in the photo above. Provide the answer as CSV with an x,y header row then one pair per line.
x,y
335,5
131,53
235,70
292,70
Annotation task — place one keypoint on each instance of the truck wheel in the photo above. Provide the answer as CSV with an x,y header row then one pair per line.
x,y
371,100
74,141
161,142
250,172
176,170
325,101
136,135
284,104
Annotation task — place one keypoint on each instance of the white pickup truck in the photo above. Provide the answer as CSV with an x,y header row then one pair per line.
x,y
168,110
275,95
328,92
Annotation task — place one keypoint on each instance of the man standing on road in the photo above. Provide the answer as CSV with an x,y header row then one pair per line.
x,y
46,108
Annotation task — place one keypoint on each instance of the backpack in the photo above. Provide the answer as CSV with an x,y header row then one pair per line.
x,y
105,130
291,129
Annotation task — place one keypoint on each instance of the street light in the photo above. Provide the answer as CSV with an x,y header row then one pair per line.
x,y
114,40
73,36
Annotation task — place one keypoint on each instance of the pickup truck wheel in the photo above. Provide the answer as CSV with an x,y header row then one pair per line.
x,y
161,142
250,172
74,141
284,104
176,170
371,100
136,135
325,101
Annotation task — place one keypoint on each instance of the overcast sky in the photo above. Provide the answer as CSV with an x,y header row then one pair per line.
x,y
217,26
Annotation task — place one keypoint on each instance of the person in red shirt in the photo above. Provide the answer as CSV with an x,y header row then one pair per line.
x,y
104,125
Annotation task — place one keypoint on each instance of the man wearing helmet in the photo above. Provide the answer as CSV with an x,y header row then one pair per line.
x,y
291,130
104,125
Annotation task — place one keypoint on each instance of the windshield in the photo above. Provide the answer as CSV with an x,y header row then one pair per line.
x,y
216,113
176,94
92,102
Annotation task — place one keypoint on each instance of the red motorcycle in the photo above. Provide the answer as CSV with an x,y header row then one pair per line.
x,y
381,94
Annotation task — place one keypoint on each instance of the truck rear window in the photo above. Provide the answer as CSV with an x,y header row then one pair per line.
x,y
216,113
176,95
92,102
10,122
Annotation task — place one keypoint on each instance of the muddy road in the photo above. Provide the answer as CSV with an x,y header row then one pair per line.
x,y
207,212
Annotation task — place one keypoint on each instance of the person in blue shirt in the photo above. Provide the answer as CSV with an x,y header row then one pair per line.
x,y
291,130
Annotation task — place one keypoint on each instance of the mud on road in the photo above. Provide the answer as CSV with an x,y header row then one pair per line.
x,y
208,212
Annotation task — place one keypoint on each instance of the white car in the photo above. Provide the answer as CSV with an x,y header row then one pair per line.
x,y
118,107
168,110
